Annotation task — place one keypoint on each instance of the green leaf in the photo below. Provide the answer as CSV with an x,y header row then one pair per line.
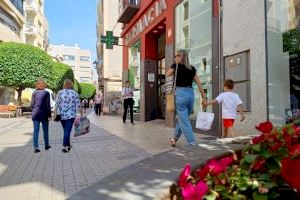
x,y
250,158
219,188
259,196
256,147
212,196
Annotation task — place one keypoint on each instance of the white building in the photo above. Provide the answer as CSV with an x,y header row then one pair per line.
x,y
78,59
109,60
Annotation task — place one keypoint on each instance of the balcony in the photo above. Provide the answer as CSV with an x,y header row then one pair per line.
x,y
127,9
30,29
31,8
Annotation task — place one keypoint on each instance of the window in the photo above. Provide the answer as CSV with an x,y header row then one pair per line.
x,y
283,61
69,57
186,10
193,32
84,58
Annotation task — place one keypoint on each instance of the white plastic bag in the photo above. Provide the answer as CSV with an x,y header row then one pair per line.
x,y
204,120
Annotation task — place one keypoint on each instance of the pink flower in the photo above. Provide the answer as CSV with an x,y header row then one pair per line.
x,y
265,127
194,192
225,162
183,178
215,167
203,172
258,139
295,150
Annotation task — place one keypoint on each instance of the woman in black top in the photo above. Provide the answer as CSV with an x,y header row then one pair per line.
x,y
184,96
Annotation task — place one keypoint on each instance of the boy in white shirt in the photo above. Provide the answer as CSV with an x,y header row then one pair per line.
x,y
231,103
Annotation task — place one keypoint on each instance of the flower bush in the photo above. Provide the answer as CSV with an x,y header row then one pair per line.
x,y
269,162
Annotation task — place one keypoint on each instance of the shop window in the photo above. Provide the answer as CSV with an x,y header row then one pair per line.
x,y
193,32
237,69
283,62
186,10
134,73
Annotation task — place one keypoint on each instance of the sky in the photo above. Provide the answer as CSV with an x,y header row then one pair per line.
x,y
72,21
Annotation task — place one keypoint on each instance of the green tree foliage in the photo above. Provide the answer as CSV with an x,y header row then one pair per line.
x,y
88,91
77,86
21,65
61,72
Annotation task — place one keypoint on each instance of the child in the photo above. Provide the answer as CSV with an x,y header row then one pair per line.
x,y
231,102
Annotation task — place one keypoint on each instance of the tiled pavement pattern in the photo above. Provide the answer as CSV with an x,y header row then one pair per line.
x,y
52,174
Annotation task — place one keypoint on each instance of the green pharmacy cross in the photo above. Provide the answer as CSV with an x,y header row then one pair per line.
x,y
109,40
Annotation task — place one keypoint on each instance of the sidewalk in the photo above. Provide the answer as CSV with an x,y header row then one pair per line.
x,y
52,174
115,158
150,178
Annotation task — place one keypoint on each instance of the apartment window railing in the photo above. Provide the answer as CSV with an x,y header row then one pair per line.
x,y
124,3
10,22
19,5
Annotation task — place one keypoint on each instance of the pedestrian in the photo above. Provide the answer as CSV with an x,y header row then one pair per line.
x,y
98,103
231,103
85,104
41,113
127,93
184,96
68,104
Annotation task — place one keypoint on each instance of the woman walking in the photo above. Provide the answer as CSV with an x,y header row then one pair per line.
x,y
184,96
41,113
68,104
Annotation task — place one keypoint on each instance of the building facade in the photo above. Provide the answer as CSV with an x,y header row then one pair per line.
x,y
11,29
36,26
254,42
78,59
109,60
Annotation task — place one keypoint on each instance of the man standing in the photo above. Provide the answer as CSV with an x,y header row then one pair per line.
x,y
127,94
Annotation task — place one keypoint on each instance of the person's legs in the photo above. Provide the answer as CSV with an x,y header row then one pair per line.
x,y
125,110
63,123
100,109
36,130
131,110
183,109
69,126
46,132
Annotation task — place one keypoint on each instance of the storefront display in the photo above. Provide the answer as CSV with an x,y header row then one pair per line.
x,y
134,74
194,33
283,34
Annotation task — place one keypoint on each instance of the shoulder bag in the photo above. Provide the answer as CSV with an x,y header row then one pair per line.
x,y
171,96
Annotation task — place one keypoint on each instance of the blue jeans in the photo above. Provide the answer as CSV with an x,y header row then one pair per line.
x,y
36,130
67,126
184,101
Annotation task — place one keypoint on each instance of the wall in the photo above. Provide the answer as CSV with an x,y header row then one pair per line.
x,y
244,29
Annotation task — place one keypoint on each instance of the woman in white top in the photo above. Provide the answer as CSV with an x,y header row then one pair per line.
x,y
127,94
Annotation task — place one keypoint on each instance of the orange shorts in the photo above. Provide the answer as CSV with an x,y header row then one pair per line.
x,y
227,123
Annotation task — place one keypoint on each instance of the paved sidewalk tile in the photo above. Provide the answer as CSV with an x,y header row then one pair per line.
x,y
51,174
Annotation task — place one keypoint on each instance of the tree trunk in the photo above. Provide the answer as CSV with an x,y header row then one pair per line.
x,y
19,90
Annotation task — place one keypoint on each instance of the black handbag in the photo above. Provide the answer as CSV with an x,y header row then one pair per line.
x,y
57,116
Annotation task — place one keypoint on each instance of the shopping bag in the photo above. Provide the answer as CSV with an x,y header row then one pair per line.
x,y
204,120
81,126
170,102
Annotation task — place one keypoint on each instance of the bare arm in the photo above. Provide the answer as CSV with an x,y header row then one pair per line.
x,y
241,111
211,102
170,72
199,84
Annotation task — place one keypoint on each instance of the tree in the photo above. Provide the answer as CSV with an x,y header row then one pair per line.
x,y
77,86
88,91
61,72
21,65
